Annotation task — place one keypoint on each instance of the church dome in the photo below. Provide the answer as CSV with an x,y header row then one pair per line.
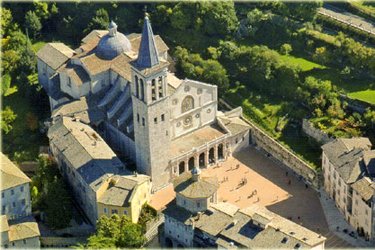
x,y
112,44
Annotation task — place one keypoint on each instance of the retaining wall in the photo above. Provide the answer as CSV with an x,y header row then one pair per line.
x,y
281,153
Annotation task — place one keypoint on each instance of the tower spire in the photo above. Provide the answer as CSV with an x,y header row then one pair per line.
x,y
148,53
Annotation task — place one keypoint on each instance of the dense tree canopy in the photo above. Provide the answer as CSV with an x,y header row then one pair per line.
x,y
116,232
194,67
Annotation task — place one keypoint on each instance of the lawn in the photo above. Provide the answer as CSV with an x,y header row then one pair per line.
x,y
304,64
365,95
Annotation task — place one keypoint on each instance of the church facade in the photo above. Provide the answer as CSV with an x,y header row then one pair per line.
x,y
121,86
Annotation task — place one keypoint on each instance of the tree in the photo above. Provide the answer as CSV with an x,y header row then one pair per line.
x,y
194,67
285,49
58,205
33,23
7,118
6,21
116,231
322,55
99,21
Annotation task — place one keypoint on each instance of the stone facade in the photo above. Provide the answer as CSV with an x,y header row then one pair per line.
x,y
348,167
163,124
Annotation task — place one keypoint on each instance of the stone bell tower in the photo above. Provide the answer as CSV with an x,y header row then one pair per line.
x,y
150,110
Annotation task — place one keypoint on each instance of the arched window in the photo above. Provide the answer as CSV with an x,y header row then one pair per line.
x,y
187,104
160,85
142,90
153,90
136,86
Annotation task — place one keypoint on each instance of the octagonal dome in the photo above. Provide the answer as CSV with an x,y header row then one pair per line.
x,y
112,44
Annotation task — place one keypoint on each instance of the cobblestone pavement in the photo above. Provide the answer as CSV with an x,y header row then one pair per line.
x,y
348,18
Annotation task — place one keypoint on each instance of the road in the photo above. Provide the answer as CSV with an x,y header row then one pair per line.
x,y
348,18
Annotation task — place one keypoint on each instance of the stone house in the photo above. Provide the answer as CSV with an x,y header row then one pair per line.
x,y
18,228
348,167
99,181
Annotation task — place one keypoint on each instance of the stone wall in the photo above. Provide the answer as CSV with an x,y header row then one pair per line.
x,y
281,153
315,133
61,242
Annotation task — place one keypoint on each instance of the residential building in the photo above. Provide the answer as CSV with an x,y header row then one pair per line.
x,y
120,85
15,190
18,228
98,179
348,167
195,219
24,235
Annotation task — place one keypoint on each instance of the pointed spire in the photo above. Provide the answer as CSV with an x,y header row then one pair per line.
x,y
148,53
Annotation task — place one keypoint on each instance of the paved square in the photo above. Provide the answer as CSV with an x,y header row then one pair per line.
x,y
276,188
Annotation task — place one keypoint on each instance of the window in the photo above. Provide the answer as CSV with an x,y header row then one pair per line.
x,y
184,202
198,204
12,192
13,204
162,117
24,242
23,202
114,211
153,90
284,240
143,121
138,118
69,82
105,210
125,212
155,120
3,208
136,86
2,195
160,84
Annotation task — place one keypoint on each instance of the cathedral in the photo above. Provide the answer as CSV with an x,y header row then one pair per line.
x,y
121,86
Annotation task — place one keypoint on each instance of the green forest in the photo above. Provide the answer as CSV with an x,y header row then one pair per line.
x,y
280,61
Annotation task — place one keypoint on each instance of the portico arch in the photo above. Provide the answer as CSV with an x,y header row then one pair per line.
x,y
201,160
220,152
191,163
211,155
181,167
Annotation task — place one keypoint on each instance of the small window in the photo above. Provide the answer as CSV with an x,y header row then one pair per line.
x,y
69,83
13,204
138,118
2,194
12,192
114,211
184,202
105,210
143,121
284,240
22,188
125,212
162,117
198,204
3,208
155,120
297,246
23,202
24,242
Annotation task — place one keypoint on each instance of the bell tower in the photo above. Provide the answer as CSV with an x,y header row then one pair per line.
x,y
150,110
